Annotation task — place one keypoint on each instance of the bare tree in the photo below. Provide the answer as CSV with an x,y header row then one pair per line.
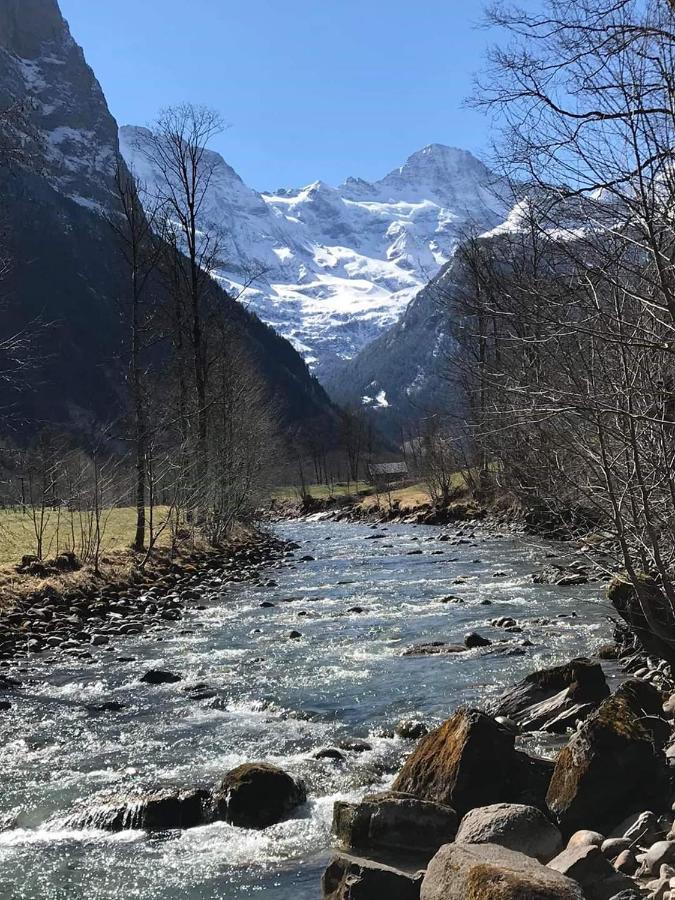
x,y
135,228
178,151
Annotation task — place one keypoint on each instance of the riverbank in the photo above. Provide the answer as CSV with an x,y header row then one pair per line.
x,y
60,606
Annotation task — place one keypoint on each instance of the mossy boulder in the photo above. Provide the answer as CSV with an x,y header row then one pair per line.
x,y
614,764
469,761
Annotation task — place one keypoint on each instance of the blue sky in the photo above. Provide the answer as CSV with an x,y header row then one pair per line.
x,y
310,88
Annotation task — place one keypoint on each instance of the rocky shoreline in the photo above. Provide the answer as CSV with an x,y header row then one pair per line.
x,y
471,815
50,622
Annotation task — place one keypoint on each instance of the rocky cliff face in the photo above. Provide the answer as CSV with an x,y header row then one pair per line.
x,y
43,67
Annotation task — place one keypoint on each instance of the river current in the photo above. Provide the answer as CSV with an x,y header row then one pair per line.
x,y
277,699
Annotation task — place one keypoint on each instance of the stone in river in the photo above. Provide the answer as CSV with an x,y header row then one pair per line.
x,y
330,753
473,639
394,822
471,761
354,878
410,729
158,676
556,698
434,648
256,795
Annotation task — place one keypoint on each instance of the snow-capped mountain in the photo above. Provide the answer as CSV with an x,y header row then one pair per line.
x,y
332,268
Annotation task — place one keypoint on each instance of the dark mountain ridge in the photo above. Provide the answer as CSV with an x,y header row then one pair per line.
x,y
66,270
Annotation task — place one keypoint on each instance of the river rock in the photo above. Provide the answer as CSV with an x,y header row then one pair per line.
x,y
554,699
589,868
512,825
158,676
394,822
626,863
161,810
471,761
613,764
410,729
488,872
434,648
353,878
256,795
473,639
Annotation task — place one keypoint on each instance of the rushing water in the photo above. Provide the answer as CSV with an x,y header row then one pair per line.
x,y
279,700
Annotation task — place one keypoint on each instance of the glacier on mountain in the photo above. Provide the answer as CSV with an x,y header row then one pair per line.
x,y
332,268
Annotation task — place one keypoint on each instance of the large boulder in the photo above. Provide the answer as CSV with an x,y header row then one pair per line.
x,y
589,868
394,822
471,761
256,795
161,810
354,878
512,825
614,764
491,872
554,699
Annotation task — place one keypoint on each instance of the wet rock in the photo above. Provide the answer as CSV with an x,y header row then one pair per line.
x,y
473,639
471,761
161,810
488,871
394,822
294,635
554,699
256,795
559,575
434,648
266,604
589,868
159,676
106,706
613,764
353,878
354,746
330,753
356,609
410,729
512,825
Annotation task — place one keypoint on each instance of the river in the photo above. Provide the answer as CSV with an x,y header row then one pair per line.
x,y
276,699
